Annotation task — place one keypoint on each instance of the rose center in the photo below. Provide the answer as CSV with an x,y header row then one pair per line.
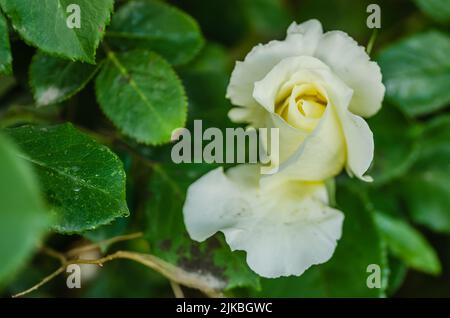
x,y
301,105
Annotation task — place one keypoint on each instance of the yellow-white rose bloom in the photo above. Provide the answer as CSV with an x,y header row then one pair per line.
x,y
314,87
285,226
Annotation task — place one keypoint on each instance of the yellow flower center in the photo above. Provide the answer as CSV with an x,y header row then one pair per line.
x,y
301,105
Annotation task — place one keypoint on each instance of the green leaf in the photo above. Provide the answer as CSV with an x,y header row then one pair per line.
x,y
426,188
170,241
417,78
142,95
408,244
213,58
116,228
5,50
397,275
206,79
6,84
438,10
54,80
267,17
220,20
23,218
385,198
84,181
156,26
396,144
43,23
345,274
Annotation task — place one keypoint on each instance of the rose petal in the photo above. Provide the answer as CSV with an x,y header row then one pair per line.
x,y
243,114
301,40
303,68
352,64
311,29
284,228
360,144
321,155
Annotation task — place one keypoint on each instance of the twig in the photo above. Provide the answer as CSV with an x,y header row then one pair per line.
x,y
175,274
55,254
372,39
78,250
42,282
177,291
166,269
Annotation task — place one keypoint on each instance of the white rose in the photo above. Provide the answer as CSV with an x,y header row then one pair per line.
x,y
285,226
314,87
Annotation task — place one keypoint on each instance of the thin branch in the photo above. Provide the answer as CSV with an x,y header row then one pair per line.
x,y
177,291
166,269
55,254
42,282
78,250
175,274
372,39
